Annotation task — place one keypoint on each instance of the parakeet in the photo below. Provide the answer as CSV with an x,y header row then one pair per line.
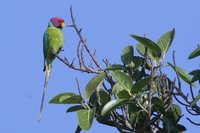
x,y
52,40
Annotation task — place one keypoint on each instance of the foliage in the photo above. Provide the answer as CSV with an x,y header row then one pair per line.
x,y
134,95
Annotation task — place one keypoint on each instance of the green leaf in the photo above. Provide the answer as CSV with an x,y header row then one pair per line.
x,y
141,49
124,94
137,75
56,99
181,128
85,118
195,53
140,84
71,100
134,118
182,73
195,72
123,79
116,67
94,83
196,75
195,100
158,104
165,41
137,61
104,97
157,101
66,98
169,122
134,112
74,108
133,108
195,78
112,105
127,55
120,91
117,88
149,44
177,111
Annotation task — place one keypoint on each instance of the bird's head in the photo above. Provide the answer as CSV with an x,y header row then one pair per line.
x,y
57,22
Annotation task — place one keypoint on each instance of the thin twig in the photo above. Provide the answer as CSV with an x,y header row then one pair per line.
x,y
78,31
142,107
116,124
197,124
150,90
108,90
106,62
188,110
195,108
94,54
149,99
178,89
78,86
83,41
174,62
180,101
71,65
78,54
84,104
82,58
191,91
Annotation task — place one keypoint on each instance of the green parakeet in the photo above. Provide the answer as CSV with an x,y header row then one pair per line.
x,y
52,40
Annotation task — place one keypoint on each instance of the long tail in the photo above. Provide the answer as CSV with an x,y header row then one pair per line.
x,y
48,71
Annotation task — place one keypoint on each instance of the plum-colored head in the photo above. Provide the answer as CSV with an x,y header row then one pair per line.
x,y
57,22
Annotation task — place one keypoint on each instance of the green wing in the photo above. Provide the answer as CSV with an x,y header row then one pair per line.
x,y
52,40
45,42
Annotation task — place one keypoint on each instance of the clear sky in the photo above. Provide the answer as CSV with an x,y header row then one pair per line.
x,y
106,26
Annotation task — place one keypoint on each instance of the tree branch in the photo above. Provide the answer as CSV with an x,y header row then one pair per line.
x,y
83,41
71,65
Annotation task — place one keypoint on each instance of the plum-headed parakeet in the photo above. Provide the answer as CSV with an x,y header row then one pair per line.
x,y
52,41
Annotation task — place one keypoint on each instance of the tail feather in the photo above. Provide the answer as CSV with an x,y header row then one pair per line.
x,y
44,69
48,71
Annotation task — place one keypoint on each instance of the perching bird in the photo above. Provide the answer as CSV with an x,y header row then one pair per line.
x,y
52,41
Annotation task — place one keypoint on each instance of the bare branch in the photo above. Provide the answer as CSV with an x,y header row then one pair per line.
x,y
71,65
191,91
197,124
78,55
189,111
78,31
94,54
78,86
194,108
106,62
180,101
142,107
82,58
179,81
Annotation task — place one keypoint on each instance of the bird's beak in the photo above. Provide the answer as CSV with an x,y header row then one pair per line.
x,y
62,24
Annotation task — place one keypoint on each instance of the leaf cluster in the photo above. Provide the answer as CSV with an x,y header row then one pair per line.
x,y
139,98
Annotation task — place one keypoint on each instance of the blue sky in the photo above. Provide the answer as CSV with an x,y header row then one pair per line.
x,y
106,26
